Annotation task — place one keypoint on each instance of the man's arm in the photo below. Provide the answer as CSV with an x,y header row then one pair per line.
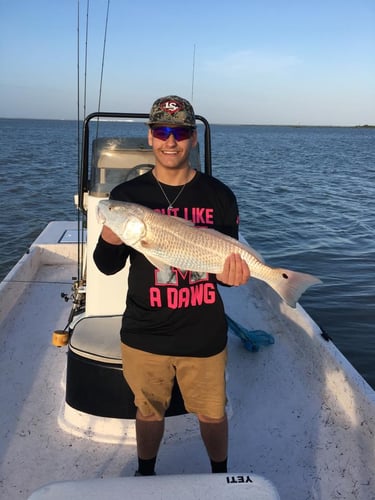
x,y
110,253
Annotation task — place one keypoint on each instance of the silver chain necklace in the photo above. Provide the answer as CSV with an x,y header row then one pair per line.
x,y
170,203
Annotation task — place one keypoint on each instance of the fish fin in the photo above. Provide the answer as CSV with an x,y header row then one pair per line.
x,y
159,264
242,245
186,221
290,285
155,261
252,250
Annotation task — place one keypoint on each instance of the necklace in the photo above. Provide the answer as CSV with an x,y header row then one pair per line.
x,y
170,203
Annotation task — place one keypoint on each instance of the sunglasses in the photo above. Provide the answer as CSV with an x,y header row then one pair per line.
x,y
179,133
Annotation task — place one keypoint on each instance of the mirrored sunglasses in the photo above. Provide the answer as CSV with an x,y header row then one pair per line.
x,y
179,133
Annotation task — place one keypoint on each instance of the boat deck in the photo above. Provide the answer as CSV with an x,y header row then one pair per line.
x,y
299,413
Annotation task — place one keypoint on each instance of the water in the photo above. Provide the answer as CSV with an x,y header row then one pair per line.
x,y
305,196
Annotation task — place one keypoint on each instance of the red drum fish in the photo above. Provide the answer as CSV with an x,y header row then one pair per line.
x,y
168,241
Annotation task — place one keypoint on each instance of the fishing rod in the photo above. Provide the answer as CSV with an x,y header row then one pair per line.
x,y
193,77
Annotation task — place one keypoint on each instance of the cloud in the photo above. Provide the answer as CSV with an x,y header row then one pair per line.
x,y
251,62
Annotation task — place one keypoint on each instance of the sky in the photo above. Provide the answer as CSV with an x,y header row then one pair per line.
x,y
278,62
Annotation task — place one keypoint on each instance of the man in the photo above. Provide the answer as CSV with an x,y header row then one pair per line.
x,y
174,326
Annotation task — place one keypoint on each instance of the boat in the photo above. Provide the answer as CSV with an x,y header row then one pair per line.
x,y
301,418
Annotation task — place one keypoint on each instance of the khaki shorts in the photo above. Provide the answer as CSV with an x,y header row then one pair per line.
x,y
151,378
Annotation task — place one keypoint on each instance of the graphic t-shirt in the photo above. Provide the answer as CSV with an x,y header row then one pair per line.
x,y
178,313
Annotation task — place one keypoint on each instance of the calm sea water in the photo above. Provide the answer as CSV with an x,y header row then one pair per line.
x,y
305,196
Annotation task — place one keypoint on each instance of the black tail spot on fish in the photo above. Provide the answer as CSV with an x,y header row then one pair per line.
x,y
285,276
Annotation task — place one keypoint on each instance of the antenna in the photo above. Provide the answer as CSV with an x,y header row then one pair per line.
x,y
192,77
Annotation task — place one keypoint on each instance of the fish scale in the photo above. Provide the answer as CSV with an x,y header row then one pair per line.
x,y
206,246
168,241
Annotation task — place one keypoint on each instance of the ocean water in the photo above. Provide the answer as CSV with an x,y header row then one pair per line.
x,y
305,197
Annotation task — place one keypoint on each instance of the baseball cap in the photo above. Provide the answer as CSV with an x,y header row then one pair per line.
x,y
172,110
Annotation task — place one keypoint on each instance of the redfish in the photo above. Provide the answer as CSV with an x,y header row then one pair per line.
x,y
168,241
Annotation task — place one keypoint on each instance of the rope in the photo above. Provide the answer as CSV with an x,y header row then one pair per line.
x,y
252,339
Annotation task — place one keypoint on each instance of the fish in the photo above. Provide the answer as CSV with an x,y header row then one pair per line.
x,y
168,241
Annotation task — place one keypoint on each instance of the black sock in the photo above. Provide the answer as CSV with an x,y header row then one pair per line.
x,y
219,466
146,467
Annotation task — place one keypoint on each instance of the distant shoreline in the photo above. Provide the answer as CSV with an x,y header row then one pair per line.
x,y
366,126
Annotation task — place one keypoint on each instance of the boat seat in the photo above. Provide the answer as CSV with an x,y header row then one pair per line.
x,y
94,382
98,338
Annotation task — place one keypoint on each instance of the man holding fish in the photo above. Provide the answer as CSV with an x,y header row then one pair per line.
x,y
174,323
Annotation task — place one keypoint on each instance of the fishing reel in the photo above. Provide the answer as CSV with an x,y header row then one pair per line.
x,y
61,338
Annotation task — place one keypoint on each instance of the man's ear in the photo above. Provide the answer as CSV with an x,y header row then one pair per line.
x,y
149,137
194,138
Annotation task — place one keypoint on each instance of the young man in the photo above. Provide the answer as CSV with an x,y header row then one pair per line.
x,y
174,326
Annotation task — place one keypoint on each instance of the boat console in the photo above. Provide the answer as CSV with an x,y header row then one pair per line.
x,y
95,384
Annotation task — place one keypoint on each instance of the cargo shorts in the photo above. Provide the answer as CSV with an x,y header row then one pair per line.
x,y
151,378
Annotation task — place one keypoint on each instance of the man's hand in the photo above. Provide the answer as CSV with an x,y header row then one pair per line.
x,y
236,272
110,237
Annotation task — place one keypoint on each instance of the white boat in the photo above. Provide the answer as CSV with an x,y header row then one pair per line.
x,y
301,419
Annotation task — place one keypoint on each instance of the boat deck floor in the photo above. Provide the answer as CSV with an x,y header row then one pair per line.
x,y
299,450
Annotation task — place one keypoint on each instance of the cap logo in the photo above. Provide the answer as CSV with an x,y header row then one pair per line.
x,y
171,107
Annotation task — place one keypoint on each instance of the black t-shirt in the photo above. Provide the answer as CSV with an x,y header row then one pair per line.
x,y
181,314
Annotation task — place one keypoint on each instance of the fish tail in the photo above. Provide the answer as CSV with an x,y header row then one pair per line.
x,y
290,285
